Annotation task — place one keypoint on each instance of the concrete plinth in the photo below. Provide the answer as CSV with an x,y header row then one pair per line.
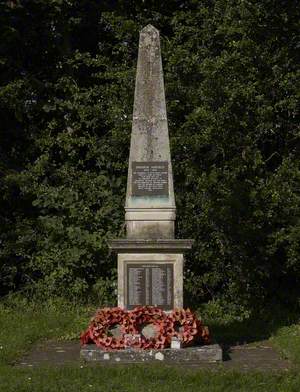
x,y
161,253
211,353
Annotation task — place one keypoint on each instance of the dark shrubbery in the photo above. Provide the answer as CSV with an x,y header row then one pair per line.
x,y
66,95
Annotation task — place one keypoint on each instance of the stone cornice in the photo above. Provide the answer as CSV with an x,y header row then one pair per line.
x,y
150,246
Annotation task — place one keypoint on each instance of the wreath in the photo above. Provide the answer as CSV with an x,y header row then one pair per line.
x,y
114,328
107,329
185,326
150,322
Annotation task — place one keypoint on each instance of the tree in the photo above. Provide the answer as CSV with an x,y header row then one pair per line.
x,y
231,72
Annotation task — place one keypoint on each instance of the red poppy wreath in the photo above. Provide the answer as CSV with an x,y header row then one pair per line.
x,y
107,329
110,328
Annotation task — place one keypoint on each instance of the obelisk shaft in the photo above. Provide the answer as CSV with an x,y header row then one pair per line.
x,y
150,259
150,202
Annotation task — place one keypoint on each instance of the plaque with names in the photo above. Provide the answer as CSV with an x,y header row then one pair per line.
x,y
150,178
150,284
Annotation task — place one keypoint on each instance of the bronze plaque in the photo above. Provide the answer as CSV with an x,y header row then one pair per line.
x,y
150,178
150,284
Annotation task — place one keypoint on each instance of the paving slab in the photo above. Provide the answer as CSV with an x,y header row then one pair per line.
x,y
260,356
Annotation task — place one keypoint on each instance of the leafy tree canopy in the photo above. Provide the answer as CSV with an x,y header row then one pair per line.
x,y
66,94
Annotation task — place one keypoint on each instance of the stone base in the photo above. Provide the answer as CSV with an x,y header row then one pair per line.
x,y
144,254
211,353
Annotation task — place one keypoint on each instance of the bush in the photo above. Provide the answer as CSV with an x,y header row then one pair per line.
x,y
231,71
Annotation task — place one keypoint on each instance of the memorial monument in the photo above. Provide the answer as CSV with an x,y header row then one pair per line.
x,y
150,259
149,323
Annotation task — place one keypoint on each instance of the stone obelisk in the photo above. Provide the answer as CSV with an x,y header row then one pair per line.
x,y
150,201
150,259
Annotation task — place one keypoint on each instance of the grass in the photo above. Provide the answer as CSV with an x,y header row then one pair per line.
x,y
22,324
144,378
287,341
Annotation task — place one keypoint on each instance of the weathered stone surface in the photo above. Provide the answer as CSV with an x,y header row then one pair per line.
x,y
154,251
115,331
155,246
150,202
211,353
149,331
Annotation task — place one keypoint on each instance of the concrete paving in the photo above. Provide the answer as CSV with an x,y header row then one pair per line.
x,y
259,356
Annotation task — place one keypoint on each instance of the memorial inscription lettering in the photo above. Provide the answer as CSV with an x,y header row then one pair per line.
x,y
150,178
150,284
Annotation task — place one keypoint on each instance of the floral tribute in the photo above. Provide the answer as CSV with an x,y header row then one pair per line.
x,y
102,327
155,318
184,325
109,327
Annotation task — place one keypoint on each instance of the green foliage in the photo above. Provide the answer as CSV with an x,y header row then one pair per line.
x,y
66,95
222,312
235,148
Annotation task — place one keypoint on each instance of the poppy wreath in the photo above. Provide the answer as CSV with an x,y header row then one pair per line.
x,y
180,323
184,325
141,317
101,326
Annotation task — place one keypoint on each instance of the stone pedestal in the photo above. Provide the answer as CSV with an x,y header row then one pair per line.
x,y
150,272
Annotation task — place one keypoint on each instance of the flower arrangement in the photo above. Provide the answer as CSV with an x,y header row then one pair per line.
x,y
102,327
109,327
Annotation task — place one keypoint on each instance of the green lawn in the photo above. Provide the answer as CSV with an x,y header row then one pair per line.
x,y
143,378
23,324
287,341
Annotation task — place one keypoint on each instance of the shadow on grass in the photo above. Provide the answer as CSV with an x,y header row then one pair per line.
x,y
253,330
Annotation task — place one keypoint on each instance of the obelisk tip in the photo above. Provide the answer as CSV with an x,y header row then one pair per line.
x,y
149,29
